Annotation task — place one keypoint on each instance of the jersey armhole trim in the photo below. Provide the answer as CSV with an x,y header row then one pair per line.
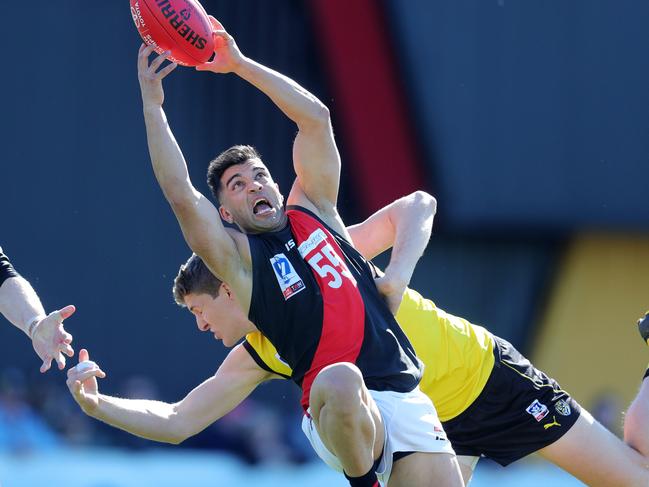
x,y
259,361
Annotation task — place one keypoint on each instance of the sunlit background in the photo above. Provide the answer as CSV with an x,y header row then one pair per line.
x,y
529,121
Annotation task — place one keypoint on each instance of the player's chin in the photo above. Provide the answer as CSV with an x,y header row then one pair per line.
x,y
229,343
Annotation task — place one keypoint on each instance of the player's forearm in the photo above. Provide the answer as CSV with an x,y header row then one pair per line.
x,y
19,303
167,159
153,420
412,219
296,102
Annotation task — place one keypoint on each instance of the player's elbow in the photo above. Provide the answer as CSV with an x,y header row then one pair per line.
x,y
317,116
419,203
425,202
179,430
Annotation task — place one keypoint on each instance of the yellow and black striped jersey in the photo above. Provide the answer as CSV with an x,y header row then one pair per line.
x,y
458,356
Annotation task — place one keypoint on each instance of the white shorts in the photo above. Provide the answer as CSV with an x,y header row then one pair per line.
x,y
411,425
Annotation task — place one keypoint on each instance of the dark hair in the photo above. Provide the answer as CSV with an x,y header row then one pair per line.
x,y
237,154
194,277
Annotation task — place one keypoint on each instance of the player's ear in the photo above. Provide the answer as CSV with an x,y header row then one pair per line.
x,y
225,214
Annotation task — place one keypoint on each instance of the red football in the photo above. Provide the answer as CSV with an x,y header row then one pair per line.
x,y
179,26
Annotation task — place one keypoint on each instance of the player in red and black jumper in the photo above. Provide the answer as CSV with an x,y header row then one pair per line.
x,y
297,277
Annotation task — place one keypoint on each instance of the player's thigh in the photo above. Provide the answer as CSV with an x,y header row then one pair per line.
x,y
597,457
467,466
426,470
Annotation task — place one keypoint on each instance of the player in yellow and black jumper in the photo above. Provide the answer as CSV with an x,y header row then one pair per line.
x,y
492,402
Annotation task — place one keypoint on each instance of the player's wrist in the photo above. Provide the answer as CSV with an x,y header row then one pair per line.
x,y
151,107
243,66
32,324
398,277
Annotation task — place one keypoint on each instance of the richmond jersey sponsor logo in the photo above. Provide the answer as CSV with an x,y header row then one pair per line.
x,y
289,281
537,410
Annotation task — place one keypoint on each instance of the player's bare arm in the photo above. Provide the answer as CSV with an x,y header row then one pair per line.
x,y
225,252
20,304
315,155
405,225
235,379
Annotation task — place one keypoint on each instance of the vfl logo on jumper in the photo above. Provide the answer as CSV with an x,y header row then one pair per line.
x,y
323,258
289,282
177,21
538,410
562,407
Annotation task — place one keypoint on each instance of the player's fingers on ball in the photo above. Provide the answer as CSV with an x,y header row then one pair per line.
x,y
216,25
155,64
166,70
143,56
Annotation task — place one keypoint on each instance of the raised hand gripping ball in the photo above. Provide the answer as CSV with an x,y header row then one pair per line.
x,y
179,26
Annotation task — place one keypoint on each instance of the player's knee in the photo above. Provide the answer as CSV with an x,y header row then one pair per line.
x,y
339,386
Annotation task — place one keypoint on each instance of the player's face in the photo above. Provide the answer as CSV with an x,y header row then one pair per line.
x,y
222,316
251,199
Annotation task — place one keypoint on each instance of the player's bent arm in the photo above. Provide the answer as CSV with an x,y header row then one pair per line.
x,y
404,224
315,155
159,421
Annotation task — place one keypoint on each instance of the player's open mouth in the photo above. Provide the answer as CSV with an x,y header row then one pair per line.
x,y
262,207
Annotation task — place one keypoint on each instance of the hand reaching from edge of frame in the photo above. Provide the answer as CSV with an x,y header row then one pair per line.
x,y
51,341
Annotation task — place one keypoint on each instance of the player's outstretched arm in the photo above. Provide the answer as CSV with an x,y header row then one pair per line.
x,y
199,219
20,304
405,225
315,155
164,422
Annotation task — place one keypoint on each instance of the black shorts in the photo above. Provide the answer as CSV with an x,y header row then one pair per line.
x,y
519,411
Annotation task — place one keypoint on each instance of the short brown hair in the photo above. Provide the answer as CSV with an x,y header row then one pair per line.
x,y
237,154
195,278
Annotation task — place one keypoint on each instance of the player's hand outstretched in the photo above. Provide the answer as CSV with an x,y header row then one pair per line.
x,y
51,341
226,53
150,76
82,382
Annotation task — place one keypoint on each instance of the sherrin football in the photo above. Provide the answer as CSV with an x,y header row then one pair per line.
x,y
179,26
